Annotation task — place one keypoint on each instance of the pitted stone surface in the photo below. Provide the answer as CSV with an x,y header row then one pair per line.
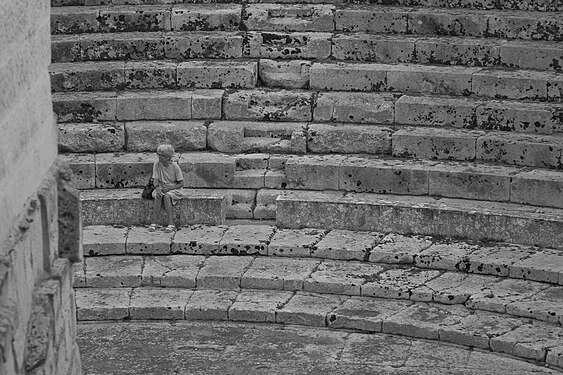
x,y
146,136
123,170
447,255
141,241
117,46
206,17
85,106
207,104
456,288
546,305
266,198
175,271
202,44
518,116
198,239
102,304
308,309
431,79
89,76
448,22
336,277
367,314
124,18
345,139
258,306
349,77
83,167
292,17
529,55
279,45
458,51
544,265
104,240
154,105
278,273
113,272
79,275
396,248
294,242
537,187
346,245
292,74
313,172
399,284
383,48
494,259
386,20
92,137
246,239
210,304
74,20
526,26
165,303
519,84
498,295
435,111
150,75
268,105
223,272
217,74
354,107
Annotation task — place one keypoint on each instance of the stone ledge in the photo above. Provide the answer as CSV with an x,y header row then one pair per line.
x,y
454,324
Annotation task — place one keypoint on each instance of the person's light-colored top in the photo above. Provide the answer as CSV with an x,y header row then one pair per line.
x,y
167,177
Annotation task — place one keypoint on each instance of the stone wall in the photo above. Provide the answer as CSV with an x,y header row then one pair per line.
x,y
37,319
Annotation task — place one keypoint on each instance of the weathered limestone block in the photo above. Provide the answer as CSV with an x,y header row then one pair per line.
x,y
210,304
125,207
349,77
520,149
313,172
545,306
381,48
123,170
150,74
39,332
154,105
249,179
92,137
226,136
448,22
471,181
435,111
495,259
205,170
66,20
268,105
258,306
104,240
198,240
364,313
555,88
399,283
458,51
223,273
266,203
142,242
308,309
65,48
70,216
216,44
365,19
544,5
206,17
293,74
529,55
247,239
346,245
435,143
146,136
162,303
384,176
445,256
537,187
519,84
354,107
239,202
84,106
277,45
293,17
520,117
337,277
207,104
122,46
526,26
278,273
531,341
252,161
399,249
89,76
542,265
217,74
127,19
431,79
115,306
295,242
83,167
343,139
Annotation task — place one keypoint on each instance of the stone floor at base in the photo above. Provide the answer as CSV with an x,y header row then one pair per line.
x,y
167,347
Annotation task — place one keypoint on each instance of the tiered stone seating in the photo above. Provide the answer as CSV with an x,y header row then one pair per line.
x,y
360,123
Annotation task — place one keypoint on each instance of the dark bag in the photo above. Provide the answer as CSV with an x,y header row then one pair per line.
x,y
147,190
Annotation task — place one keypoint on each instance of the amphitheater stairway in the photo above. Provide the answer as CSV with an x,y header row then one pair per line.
x,y
374,133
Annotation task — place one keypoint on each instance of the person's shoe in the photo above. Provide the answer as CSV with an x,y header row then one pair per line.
x,y
152,227
169,229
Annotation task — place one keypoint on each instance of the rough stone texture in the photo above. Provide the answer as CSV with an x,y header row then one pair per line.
x,y
349,77
529,55
278,273
354,107
120,272
346,245
543,265
221,272
435,111
458,51
369,20
150,75
154,105
343,139
123,170
83,167
140,241
92,137
494,259
266,199
278,45
146,136
399,284
525,26
166,304
267,105
519,117
114,46
258,306
447,255
537,187
207,170
85,106
210,304
291,242
197,239
293,74
103,303
308,309
175,271
217,74
448,22
90,76
531,341
206,17
313,172
519,84
104,240
246,239
207,45
278,17
337,277
431,79
382,48
396,248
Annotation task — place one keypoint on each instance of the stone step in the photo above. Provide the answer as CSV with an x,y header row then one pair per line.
x,y
382,48
308,17
521,298
307,105
126,207
449,217
520,337
352,173
542,6
382,252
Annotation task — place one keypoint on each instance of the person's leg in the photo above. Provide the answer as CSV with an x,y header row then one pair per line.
x,y
168,208
156,208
